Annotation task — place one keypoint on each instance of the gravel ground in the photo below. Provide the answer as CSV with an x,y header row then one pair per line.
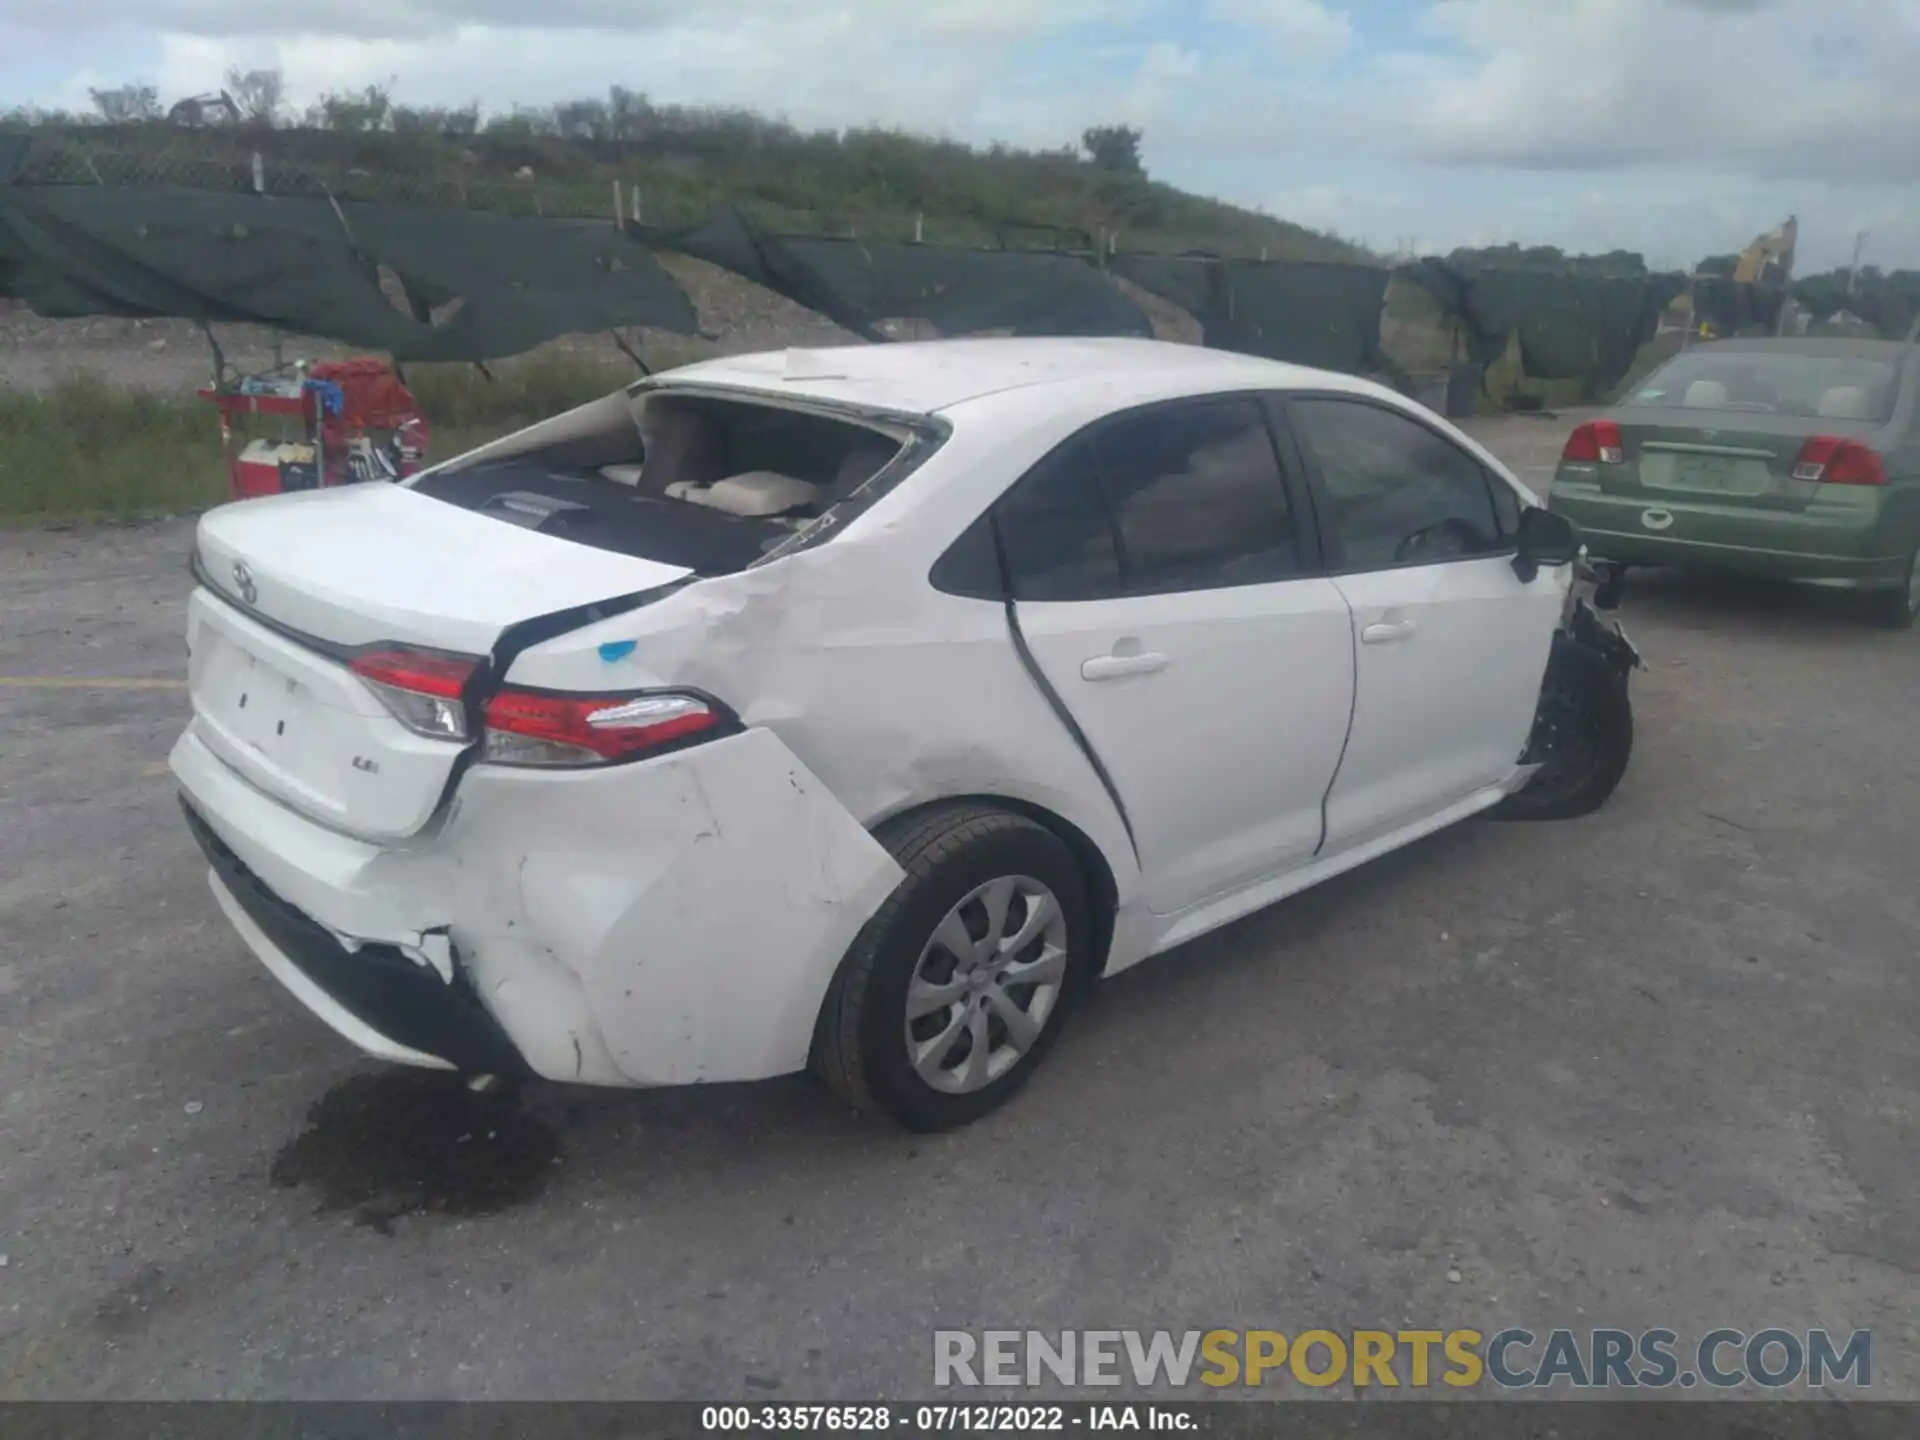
x,y
1656,1067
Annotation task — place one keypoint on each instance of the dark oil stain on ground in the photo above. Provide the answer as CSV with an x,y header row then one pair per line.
x,y
129,1307
407,1142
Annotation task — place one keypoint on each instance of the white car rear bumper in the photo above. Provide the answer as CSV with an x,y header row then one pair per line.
x,y
668,922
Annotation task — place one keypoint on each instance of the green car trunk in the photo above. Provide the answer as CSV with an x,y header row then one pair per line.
x,y
1716,489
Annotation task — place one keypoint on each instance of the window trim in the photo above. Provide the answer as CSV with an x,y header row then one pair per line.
x,y
1302,519
1331,547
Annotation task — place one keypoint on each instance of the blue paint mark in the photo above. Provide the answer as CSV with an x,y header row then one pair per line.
x,y
617,650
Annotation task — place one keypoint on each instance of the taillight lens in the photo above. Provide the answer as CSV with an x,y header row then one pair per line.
x,y
532,727
1829,460
1597,442
421,687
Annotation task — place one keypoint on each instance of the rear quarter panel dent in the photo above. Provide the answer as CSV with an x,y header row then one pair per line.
x,y
891,693
696,961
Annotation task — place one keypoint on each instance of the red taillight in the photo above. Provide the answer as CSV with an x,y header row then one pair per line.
x,y
1829,460
421,687
419,671
1597,442
531,727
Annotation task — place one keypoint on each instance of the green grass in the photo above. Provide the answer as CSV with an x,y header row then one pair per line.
x,y
89,450
460,400
86,449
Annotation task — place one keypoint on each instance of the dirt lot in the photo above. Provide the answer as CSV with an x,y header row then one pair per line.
x,y
1654,1068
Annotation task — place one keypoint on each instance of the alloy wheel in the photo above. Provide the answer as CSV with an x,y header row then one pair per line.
x,y
986,984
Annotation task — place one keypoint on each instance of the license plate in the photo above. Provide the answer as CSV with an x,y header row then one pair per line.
x,y
252,701
1706,472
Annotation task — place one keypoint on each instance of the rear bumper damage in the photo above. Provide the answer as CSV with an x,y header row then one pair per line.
x,y
380,996
668,922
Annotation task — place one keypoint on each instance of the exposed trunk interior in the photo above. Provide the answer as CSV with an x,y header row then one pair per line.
x,y
707,483
655,487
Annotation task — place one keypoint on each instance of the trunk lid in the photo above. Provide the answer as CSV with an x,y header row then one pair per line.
x,y
357,564
1719,458
293,584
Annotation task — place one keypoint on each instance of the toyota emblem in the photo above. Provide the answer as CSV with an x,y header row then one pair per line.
x,y
243,581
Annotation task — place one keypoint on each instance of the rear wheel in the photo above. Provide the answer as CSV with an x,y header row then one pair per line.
x,y
955,990
1898,608
1582,737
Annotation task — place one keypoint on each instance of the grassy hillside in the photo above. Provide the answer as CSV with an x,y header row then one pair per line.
x,y
565,160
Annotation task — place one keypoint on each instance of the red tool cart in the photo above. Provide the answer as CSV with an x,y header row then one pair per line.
x,y
340,422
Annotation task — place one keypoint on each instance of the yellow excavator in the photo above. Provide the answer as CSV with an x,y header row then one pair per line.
x,y
1767,261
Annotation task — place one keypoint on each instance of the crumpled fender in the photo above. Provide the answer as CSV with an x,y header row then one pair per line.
x,y
1589,618
678,921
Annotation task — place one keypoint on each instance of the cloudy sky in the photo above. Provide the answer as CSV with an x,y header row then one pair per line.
x,y
1675,127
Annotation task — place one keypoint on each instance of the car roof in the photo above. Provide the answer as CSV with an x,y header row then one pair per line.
x,y
925,377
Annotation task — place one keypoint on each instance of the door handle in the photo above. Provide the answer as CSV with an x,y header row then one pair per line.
x,y
1387,632
1115,667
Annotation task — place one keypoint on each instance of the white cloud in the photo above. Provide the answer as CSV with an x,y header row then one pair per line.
x,y
419,19
832,67
1301,31
1166,72
1677,127
1792,88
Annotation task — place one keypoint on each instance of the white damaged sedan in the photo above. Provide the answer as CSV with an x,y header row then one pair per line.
x,y
855,708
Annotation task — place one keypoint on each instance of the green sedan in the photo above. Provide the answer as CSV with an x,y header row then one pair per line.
x,y
1791,458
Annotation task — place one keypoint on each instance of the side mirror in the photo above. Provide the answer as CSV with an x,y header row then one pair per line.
x,y
1545,539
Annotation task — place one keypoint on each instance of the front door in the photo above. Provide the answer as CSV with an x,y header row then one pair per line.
x,y
1162,588
1451,644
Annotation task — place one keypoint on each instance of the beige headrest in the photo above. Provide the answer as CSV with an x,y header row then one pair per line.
x,y
1846,402
1705,395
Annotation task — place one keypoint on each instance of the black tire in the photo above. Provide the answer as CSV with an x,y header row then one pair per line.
x,y
859,1046
1896,609
1582,737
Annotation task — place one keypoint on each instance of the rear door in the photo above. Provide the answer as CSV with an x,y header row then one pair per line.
x,y
1451,644
1174,603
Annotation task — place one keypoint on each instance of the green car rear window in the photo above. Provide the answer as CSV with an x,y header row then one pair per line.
x,y
1774,383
